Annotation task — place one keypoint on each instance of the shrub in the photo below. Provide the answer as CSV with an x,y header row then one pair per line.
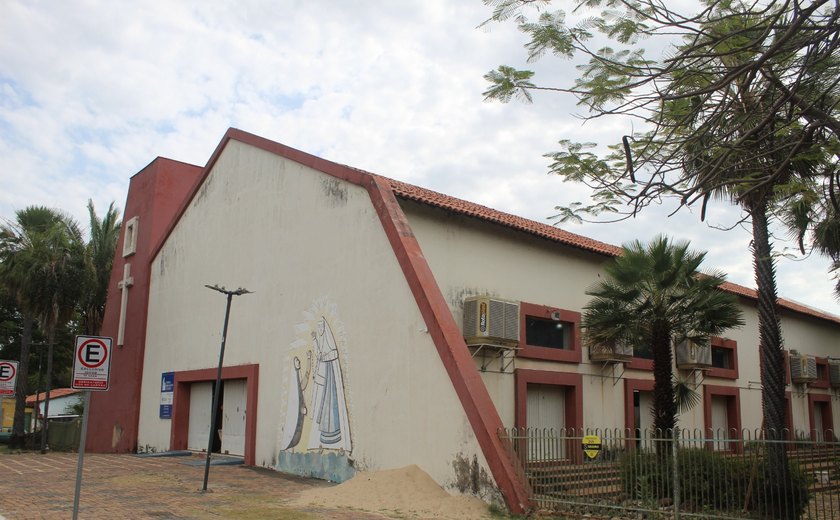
x,y
710,479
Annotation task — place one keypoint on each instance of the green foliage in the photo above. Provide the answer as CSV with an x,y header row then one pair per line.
x,y
654,295
658,282
712,480
685,396
509,82
48,273
742,103
742,98
99,258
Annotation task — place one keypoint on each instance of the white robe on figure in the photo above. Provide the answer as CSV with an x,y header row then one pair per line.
x,y
328,410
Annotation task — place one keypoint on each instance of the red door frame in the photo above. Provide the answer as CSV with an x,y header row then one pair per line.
x,y
181,404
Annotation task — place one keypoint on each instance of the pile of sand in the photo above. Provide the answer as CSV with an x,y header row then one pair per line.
x,y
407,491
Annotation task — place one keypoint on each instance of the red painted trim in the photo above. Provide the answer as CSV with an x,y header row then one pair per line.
x,y
638,363
181,404
573,385
572,355
447,337
733,410
630,386
732,347
789,435
827,425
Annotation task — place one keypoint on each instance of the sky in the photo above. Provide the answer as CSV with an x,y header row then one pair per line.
x,y
92,91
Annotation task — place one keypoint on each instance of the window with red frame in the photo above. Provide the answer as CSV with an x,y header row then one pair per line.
x,y
549,333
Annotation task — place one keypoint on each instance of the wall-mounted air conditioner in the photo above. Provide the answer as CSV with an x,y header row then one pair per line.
x,y
834,373
692,355
491,321
618,352
803,369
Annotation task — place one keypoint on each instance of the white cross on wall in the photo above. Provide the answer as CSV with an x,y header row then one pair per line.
x,y
123,286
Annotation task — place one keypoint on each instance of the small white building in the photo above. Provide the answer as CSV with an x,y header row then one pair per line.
x,y
63,402
351,355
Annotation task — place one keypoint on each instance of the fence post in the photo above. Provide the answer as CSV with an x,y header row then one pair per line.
x,y
675,438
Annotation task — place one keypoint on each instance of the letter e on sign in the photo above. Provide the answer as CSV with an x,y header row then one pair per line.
x,y
92,363
8,377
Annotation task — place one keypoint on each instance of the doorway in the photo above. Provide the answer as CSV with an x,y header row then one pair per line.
x,y
229,430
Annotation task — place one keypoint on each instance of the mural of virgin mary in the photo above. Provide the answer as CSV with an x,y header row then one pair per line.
x,y
331,427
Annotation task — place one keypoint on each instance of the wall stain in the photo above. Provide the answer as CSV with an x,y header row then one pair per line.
x,y
336,190
472,479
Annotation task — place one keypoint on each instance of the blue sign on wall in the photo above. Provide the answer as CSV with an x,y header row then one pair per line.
x,y
167,393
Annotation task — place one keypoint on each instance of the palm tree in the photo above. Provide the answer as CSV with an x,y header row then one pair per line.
x,y
99,257
59,279
654,295
26,244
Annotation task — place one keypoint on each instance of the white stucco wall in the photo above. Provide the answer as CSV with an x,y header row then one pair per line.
x,y
306,244
470,257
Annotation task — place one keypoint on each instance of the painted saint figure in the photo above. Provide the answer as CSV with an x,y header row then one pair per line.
x,y
331,428
296,407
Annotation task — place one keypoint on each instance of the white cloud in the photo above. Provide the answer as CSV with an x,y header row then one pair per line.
x,y
92,91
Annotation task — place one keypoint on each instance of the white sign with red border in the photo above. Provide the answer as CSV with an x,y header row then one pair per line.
x,y
92,363
8,376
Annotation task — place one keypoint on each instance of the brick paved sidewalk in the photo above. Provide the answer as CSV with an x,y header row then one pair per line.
x,y
35,486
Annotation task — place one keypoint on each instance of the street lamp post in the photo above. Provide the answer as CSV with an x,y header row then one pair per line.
x,y
214,411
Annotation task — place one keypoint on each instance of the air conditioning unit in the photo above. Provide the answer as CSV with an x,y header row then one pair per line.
x,y
491,321
834,373
692,355
618,352
803,369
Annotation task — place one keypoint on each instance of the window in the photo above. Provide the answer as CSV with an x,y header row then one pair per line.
x,y
130,238
549,333
822,374
721,357
643,351
724,359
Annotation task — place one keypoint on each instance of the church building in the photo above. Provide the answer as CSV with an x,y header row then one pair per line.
x,y
386,325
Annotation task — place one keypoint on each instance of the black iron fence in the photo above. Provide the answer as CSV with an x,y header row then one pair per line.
x,y
680,473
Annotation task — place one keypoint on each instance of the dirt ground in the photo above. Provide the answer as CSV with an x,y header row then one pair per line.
x,y
35,486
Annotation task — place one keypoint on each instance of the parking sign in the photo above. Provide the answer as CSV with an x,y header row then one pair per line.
x,y
8,376
92,363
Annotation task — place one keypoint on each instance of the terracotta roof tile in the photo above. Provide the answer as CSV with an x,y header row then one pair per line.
x,y
415,193
440,200
54,394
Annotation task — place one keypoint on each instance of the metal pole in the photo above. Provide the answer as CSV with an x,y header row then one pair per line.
x,y
214,411
675,439
81,460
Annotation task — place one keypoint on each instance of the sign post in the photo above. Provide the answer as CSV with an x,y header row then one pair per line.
x,y
91,373
8,377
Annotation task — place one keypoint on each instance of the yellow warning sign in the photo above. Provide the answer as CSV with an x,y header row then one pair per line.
x,y
591,446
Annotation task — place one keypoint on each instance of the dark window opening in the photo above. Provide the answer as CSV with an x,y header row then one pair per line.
x,y
822,372
541,332
721,357
644,351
